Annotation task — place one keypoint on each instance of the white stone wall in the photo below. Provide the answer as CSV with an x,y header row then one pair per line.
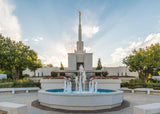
x,y
88,61
113,71
112,84
120,71
74,58
52,84
72,61
41,71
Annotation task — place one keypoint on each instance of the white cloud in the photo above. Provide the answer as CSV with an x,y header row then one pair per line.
x,y
56,54
9,25
37,39
120,53
59,51
89,24
90,30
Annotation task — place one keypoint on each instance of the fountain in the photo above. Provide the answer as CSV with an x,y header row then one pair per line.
x,y
80,98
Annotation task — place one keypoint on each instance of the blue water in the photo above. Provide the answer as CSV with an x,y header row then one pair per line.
x,y
73,90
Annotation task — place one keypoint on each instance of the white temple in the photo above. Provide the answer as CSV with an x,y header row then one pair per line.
x,y
79,57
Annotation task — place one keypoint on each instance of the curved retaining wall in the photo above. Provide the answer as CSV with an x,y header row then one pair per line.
x,y
52,83
113,84
87,101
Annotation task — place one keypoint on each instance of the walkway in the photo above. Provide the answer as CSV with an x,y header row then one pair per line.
x,y
27,98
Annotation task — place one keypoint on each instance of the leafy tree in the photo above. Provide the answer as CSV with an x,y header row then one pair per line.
x,y
99,67
35,65
62,68
144,61
16,57
7,55
49,65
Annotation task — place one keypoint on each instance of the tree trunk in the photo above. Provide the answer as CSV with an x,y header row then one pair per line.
x,y
34,73
12,74
17,72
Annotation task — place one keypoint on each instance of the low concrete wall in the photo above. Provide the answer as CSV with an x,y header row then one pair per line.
x,y
86,101
52,83
141,90
14,108
59,83
108,83
15,90
156,77
153,108
3,76
35,79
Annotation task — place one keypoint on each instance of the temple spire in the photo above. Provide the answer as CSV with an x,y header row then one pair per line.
x,y
79,28
79,18
80,42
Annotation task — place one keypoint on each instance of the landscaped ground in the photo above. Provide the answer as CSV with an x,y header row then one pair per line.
x,y
134,99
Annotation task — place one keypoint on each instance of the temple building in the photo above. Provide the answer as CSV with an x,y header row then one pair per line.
x,y
81,57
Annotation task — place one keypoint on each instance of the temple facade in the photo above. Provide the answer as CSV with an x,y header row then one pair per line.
x,y
80,57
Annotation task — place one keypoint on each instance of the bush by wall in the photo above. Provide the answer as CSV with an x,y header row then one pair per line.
x,y
54,74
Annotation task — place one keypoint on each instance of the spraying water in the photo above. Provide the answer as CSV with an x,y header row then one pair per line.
x,y
82,78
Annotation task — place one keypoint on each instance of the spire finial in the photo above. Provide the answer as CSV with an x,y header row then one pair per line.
x,y
79,14
79,17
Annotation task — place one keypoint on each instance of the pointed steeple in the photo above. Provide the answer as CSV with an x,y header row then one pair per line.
x,y
80,42
79,28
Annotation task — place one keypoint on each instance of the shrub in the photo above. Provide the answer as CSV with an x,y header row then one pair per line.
x,y
131,86
124,84
140,85
24,83
6,85
105,74
156,87
53,74
62,74
137,80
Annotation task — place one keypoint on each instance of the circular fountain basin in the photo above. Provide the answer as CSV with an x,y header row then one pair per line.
x,y
102,99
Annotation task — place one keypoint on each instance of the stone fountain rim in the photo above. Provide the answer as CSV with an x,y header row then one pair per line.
x,y
79,94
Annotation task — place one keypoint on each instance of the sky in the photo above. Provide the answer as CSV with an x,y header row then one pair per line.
x,y
111,29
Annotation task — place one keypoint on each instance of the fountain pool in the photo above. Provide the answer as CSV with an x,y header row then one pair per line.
x,y
80,98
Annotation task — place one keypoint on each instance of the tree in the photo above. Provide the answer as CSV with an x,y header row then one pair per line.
x,y
7,55
144,60
62,68
35,65
49,65
99,67
16,57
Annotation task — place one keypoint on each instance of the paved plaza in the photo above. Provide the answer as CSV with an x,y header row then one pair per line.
x,y
27,98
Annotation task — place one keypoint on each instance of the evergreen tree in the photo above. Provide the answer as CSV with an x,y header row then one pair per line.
x,y
62,68
99,67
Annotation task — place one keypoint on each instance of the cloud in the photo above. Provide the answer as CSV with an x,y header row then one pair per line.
x,y
58,52
37,39
90,30
121,53
9,25
89,24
